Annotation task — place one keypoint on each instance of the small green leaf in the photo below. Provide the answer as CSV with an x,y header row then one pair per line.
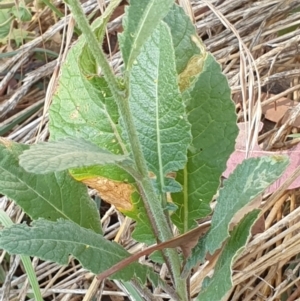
x,y
157,107
56,241
51,196
215,288
94,117
5,23
22,13
182,31
65,154
86,60
140,20
211,114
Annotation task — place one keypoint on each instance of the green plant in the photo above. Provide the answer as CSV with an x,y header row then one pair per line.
x,y
154,142
10,12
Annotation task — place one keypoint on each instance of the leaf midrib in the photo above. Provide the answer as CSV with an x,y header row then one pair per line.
x,y
31,188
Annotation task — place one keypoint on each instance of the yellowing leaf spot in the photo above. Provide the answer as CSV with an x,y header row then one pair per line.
x,y
7,143
278,158
74,115
113,192
194,66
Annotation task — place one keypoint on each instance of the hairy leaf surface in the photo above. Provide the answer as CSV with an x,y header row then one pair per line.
x,y
64,154
182,31
157,107
83,107
249,180
215,288
140,20
52,196
56,241
211,114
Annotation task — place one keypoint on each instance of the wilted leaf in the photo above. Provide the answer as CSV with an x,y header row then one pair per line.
x,y
185,241
128,201
276,111
113,192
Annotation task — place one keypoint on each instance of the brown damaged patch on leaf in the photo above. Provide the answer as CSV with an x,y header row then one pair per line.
x,y
7,143
112,192
194,66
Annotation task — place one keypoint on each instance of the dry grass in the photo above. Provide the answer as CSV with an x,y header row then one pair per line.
x,y
244,37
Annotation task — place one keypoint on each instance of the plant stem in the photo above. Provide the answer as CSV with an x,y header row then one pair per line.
x,y
153,207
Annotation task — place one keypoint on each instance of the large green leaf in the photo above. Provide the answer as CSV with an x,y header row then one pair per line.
x,y
211,114
215,288
84,110
157,107
140,20
248,180
182,31
51,196
83,107
56,241
65,154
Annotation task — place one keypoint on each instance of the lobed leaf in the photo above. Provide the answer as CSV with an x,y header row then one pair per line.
x,y
211,114
140,20
52,196
56,241
157,107
65,154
